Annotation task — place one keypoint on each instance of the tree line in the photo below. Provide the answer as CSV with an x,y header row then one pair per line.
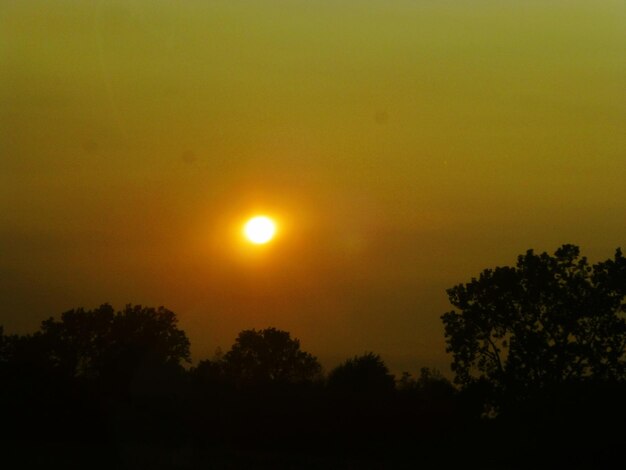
x,y
538,356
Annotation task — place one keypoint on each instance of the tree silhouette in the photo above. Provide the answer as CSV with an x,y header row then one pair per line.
x,y
208,372
105,345
362,375
270,355
546,321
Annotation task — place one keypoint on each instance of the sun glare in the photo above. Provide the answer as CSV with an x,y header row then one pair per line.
x,y
259,230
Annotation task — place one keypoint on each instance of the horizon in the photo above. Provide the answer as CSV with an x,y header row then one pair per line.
x,y
403,147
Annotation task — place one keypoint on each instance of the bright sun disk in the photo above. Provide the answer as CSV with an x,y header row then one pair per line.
x,y
260,229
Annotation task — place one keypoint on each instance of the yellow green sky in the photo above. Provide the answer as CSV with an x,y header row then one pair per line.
x,y
404,146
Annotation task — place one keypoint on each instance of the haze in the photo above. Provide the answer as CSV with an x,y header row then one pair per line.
x,y
405,146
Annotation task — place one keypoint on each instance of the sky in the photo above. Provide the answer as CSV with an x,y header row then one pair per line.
x,y
402,147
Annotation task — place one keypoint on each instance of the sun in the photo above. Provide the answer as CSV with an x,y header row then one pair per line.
x,y
259,230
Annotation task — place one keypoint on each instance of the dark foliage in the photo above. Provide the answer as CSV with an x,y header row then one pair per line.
x,y
112,346
362,375
269,355
547,321
540,342
92,380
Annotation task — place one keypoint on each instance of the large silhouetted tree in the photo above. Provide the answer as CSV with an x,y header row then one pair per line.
x,y
269,355
546,321
109,345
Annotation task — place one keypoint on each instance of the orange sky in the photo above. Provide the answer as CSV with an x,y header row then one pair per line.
x,y
403,145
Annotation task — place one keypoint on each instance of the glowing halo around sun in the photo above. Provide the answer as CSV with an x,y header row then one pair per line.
x,y
259,230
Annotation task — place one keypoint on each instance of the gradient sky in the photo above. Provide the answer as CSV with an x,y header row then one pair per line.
x,y
403,146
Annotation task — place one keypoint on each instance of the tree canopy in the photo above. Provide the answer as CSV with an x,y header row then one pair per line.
x,y
270,355
102,343
547,320
362,375
111,382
